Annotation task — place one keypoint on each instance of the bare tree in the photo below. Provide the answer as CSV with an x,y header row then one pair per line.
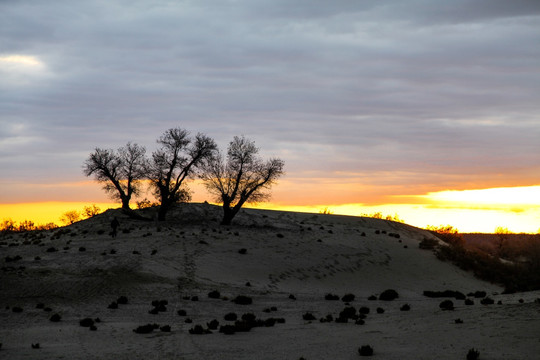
x,y
70,217
176,160
242,177
120,171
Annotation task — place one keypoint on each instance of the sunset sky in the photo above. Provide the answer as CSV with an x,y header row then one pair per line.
x,y
428,109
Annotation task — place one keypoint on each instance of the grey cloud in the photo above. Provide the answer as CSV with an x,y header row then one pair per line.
x,y
347,86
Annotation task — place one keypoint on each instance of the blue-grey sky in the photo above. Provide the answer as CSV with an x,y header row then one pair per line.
x,y
361,99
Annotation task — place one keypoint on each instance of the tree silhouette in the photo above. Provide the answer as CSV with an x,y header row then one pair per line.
x,y
120,171
243,177
174,162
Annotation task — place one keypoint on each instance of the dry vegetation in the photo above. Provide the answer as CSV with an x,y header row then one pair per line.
x,y
511,260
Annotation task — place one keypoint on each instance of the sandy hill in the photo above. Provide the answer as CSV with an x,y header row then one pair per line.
x,y
283,263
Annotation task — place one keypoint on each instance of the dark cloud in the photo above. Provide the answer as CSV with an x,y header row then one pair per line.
x,y
425,92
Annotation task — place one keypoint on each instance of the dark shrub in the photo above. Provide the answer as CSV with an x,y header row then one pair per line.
x,y
242,251
308,316
113,305
86,322
372,298
182,312
473,354
348,298
230,317
55,318
213,325
428,244
480,294
157,303
380,310
405,307
214,294
348,312
447,305
458,321
327,318
363,310
17,309
389,295
122,300
360,322
227,329
292,297
82,249
199,330
144,329
165,328
487,301
269,322
365,350
331,297
469,302
242,300
249,317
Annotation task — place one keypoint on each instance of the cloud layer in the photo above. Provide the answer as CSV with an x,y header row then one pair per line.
x,y
363,100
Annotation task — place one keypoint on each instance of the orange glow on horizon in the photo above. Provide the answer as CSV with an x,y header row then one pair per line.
x,y
42,213
517,209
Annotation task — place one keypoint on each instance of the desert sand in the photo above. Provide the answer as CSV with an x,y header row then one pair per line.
x,y
286,263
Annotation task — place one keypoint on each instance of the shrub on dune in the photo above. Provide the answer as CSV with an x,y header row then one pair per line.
x,y
389,295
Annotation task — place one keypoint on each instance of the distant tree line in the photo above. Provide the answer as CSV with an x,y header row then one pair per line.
x,y
234,179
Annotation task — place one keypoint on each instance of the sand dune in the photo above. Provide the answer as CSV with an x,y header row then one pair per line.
x,y
289,262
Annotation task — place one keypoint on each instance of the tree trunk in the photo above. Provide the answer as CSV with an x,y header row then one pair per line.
x,y
228,215
125,203
162,212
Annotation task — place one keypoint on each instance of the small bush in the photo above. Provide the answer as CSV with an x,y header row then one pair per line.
x,y
231,317
487,301
214,294
243,300
199,330
365,350
389,295
308,317
331,297
348,313
473,354
213,325
165,328
348,298
405,307
86,322
428,244
447,305
364,310
145,329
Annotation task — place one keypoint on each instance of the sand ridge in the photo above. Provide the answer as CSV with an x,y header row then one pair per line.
x,y
305,255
